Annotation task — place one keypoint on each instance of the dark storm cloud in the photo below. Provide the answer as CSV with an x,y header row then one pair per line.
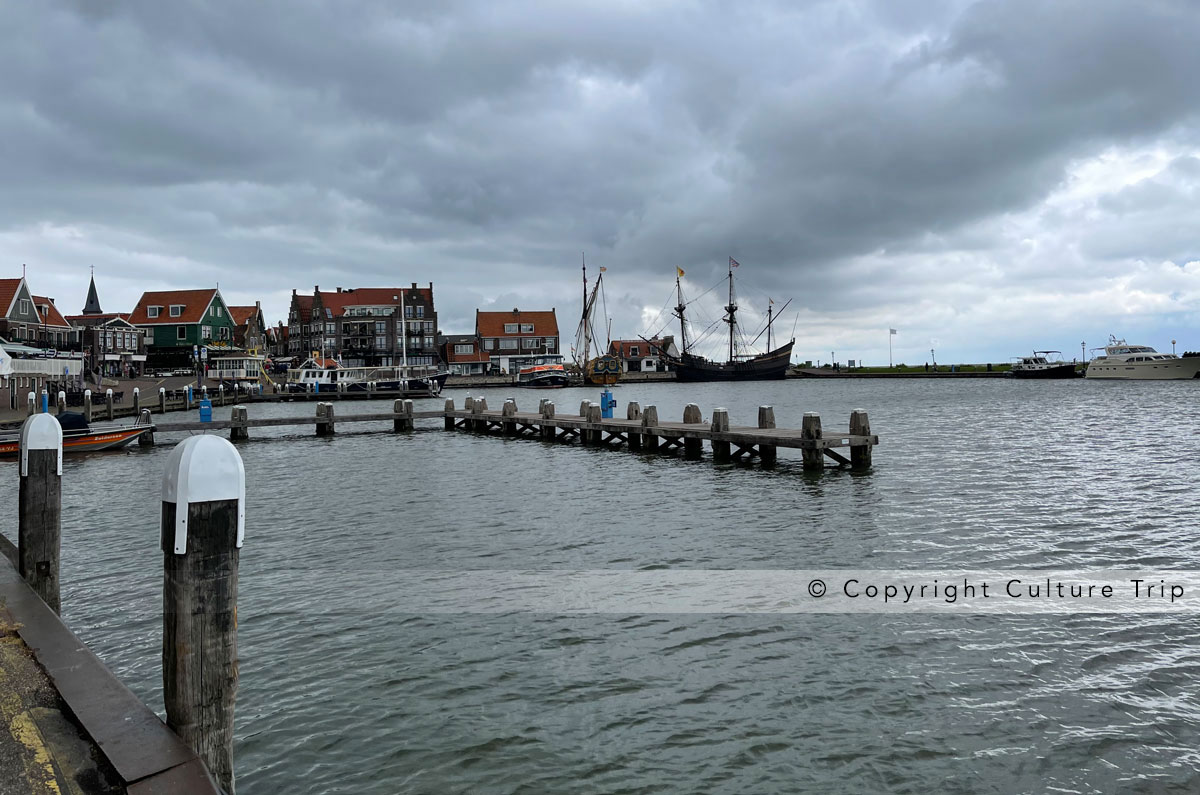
x,y
859,153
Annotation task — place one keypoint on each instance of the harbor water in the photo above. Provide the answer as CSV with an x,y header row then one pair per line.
x,y
345,688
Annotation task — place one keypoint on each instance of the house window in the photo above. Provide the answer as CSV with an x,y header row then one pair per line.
x,y
381,342
408,311
633,350
509,344
380,327
181,332
529,343
428,326
468,348
223,332
429,342
511,328
153,311
217,309
330,328
24,307
420,311
206,332
176,310
526,328
550,343
489,344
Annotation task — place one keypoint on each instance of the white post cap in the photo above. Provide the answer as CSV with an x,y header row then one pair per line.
x,y
203,469
40,432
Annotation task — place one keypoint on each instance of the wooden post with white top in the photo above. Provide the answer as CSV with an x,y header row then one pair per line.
x,y
39,513
720,424
767,453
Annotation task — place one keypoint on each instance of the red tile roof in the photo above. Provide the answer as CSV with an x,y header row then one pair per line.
x,y
8,289
458,358
194,303
491,324
241,314
620,348
103,316
304,305
337,302
51,317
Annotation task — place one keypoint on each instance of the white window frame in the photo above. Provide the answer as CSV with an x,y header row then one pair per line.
x,y
153,311
465,347
510,344
176,310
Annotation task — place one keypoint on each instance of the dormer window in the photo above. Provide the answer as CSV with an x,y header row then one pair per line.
x,y
153,311
176,310
633,350
511,328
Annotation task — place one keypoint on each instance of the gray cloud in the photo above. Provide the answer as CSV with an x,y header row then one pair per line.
x,y
883,163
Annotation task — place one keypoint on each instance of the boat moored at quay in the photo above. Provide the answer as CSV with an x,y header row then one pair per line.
x,y
1121,361
1043,364
79,436
326,375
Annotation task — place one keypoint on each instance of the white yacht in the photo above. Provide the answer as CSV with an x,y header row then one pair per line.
x,y
1124,361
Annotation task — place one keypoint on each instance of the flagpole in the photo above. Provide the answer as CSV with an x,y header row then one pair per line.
x,y
889,350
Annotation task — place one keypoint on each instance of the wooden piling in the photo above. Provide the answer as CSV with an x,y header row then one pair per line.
x,y
325,421
402,411
137,402
87,405
238,428
585,436
39,513
633,411
508,416
220,394
203,525
860,425
547,412
108,405
649,420
162,400
767,453
814,458
720,424
594,416
31,404
61,402
634,439
692,448
449,407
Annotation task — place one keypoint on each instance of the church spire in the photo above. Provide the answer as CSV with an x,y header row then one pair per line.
x,y
92,307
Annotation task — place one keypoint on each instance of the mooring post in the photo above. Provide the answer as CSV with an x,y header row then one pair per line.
x,y
508,414
691,416
87,405
203,525
325,419
585,436
583,409
187,397
39,522
547,412
633,411
220,394
767,453
147,438
480,407
402,415
633,436
204,391
137,402
32,404
61,402
810,430
860,425
239,428
162,400
45,401
720,424
108,404
649,420
449,408
595,415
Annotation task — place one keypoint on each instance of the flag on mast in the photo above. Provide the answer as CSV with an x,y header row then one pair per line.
x,y
679,271
603,269
733,263
892,332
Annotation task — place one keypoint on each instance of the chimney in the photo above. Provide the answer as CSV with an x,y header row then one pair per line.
x,y
316,289
339,289
414,285
293,291
516,311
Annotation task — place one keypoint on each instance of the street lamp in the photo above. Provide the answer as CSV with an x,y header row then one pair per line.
x,y
1172,347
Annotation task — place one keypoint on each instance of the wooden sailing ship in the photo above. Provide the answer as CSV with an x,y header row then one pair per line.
x,y
604,369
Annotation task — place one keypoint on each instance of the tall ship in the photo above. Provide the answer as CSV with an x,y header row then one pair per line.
x,y
603,369
1122,361
742,363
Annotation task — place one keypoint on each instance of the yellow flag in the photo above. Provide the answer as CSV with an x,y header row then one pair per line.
x,y
679,271
602,270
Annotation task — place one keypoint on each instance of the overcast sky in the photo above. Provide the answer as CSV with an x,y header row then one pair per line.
x,y
985,177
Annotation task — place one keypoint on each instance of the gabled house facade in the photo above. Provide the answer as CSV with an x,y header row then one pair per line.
x,y
518,338
365,326
644,356
249,329
20,319
111,345
464,354
177,321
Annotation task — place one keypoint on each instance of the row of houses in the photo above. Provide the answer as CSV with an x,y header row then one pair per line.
x,y
359,327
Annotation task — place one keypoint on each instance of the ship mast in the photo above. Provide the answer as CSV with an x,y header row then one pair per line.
x,y
770,311
679,307
731,311
586,320
403,342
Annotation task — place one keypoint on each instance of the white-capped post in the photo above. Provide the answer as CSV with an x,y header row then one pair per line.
x,y
108,402
39,523
203,525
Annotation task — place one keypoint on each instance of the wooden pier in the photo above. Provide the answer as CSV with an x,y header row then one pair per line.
x,y
641,430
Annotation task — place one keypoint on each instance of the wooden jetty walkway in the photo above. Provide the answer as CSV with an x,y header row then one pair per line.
x,y
641,430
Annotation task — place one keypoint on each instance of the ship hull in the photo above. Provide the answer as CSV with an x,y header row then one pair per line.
x,y
771,365
1066,370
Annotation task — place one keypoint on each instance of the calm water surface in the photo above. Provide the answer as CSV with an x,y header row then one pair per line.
x,y
342,693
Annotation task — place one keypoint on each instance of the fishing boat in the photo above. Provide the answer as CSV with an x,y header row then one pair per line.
x,y
80,437
543,375
605,369
1121,361
742,364
1043,364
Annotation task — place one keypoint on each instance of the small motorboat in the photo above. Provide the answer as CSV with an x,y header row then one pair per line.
x,y
543,376
80,437
1044,364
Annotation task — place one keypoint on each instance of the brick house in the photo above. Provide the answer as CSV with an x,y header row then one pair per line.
x,y
363,326
249,328
30,319
518,338
464,354
111,345
176,321
644,356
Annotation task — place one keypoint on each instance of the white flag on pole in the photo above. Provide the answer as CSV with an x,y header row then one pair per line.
x,y
892,332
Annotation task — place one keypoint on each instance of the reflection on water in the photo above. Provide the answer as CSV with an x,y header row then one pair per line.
x,y
337,695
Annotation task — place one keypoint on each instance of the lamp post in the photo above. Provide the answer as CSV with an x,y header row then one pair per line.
x,y
1172,347
933,357
1083,351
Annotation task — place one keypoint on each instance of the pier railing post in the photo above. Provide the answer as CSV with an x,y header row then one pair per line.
x,y
448,408
39,522
203,524
585,436
62,402
720,424
633,411
767,453
108,404
162,400
633,436
691,416
220,394
810,430
547,411
137,402
595,415
87,405
31,404
860,425
508,414
649,420
325,419
239,428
